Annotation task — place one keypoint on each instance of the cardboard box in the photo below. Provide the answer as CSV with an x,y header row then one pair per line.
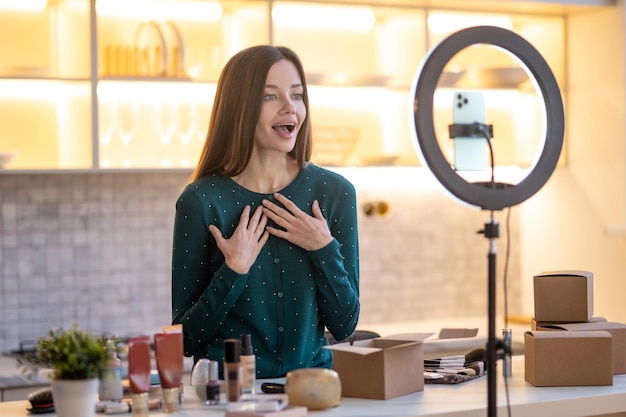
x,y
381,368
535,325
457,333
452,342
618,334
563,296
555,358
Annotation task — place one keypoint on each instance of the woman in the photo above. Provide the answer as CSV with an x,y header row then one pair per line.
x,y
265,242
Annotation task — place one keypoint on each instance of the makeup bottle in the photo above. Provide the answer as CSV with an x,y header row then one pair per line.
x,y
232,368
110,387
212,384
248,365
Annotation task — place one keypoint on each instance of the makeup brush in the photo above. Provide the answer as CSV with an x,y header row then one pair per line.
x,y
475,355
456,361
470,364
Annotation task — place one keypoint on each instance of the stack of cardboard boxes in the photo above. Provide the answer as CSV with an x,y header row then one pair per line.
x,y
567,345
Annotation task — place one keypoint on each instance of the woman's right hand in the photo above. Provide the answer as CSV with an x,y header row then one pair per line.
x,y
242,248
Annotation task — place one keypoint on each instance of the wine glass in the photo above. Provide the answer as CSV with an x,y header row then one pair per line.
x,y
187,121
128,121
165,117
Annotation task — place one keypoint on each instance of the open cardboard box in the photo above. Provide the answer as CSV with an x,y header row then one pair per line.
x,y
452,342
616,330
563,296
537,325
381,368
563,358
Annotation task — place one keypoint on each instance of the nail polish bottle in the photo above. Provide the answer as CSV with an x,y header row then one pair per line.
x,y
248,365
212,384
232,368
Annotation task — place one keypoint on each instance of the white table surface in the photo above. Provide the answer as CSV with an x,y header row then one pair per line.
x,y
468,399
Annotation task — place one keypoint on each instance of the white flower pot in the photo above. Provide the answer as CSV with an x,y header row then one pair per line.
x,y
75,397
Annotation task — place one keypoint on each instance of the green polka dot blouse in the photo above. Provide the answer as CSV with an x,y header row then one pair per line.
x,y
289,296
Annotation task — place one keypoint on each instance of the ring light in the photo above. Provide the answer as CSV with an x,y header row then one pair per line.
x,y
495,197
426,82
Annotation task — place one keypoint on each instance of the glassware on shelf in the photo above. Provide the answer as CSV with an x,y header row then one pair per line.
x,y
109,133
165,120
202,125
128,121
195,62
108,122
187,121
119,125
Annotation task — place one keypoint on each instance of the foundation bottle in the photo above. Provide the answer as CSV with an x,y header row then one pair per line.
x,y
232,369
248,365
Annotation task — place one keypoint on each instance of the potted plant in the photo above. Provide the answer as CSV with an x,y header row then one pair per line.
x,y
75,358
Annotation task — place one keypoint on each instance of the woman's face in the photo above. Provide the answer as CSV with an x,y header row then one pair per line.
x,y
282,111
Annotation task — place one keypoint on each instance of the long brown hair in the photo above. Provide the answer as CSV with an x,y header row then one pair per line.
x,y
236,110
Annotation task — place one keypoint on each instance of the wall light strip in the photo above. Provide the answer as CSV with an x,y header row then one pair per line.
x,y
23,5
205,11
152,92
29,89
448,22
323,17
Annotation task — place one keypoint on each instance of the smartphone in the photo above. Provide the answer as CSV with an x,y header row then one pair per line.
x,y
470,152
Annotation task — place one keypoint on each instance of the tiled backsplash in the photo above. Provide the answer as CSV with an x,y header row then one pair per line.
x,y
94,249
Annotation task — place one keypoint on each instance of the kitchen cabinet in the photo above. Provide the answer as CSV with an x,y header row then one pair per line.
x,y
45,94
95,84
88,84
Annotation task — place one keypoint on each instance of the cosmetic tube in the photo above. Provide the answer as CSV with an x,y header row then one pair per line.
x,y
232,368
168,349
213,384
139,367
248,365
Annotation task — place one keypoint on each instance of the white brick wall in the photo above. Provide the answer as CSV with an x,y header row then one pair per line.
x,y
94,248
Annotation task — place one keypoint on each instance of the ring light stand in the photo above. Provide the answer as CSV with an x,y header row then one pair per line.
x,y
494,197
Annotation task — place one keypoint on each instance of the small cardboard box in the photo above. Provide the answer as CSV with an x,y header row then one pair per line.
x,y
381,368
617,331
457,333
554,358
563,296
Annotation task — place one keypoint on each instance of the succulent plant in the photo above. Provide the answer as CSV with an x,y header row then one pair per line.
x,y
70,353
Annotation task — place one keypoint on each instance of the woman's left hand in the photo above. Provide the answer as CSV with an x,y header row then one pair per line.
x,y
308,232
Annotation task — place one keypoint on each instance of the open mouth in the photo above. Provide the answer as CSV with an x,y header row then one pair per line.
x,y
287,127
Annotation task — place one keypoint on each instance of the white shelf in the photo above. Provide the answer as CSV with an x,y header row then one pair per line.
x,y
72,38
